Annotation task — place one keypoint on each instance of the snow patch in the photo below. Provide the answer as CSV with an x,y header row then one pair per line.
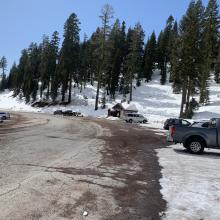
x,y
190,183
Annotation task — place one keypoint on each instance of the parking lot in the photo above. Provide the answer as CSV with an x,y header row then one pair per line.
x,y
56,168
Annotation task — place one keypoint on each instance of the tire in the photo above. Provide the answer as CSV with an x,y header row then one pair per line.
x,y
195,145
144,121
4,118
130,120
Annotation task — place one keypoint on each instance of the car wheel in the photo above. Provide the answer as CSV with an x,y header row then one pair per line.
x,y
4,118
144,121
130,120
195,145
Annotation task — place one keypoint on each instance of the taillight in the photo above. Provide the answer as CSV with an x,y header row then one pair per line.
x,y
172,130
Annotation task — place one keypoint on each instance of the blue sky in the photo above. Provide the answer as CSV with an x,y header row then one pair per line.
x,y
25,21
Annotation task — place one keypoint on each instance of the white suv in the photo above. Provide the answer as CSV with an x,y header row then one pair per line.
x,y
4,115
135,117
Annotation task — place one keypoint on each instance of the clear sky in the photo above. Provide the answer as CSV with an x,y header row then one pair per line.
x,y
25,21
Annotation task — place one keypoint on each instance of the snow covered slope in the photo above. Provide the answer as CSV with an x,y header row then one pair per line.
x,y
154,101
7,101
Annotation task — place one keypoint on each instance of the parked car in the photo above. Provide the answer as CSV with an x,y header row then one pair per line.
x,y
175,121
135,117
5,115
68,113
195,139
58,112
77,114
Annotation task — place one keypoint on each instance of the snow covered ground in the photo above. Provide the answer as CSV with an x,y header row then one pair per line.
x,y
190,183
7,101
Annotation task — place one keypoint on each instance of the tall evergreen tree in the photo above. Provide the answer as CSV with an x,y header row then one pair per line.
x,y
3,66
69,60
209,46
54,54
210,42
106,16
164,47
116,45
34,55
190,33
150,57
11,80
44,66
134,59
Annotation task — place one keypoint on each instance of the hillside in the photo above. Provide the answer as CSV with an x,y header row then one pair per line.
x,y
153,100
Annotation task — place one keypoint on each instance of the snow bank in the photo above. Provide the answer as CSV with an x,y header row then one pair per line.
x,y
7,101
190,183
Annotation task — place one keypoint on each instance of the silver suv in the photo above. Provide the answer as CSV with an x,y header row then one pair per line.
x,y
4,115
135,117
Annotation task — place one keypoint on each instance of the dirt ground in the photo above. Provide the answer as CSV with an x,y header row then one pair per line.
x,y
57,168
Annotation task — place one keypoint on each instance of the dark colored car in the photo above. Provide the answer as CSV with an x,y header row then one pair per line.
x,y
68,113
58,112
77,114
175,121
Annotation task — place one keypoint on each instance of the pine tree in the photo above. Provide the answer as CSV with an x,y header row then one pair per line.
x,y
190,34
11,80
176,71
94,46
217,68
134,59
84,69
55,78
34,55
150,57
161,56
174,57
44,66
3,66
69,58
106,16
209,47
164,47
114,61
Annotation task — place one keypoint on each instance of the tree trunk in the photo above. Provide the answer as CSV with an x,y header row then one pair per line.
x,y
97,95
130,97
183,100
188,96
48,91
70,89
63,95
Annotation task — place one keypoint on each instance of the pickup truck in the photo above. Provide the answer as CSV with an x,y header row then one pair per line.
x,y
195,139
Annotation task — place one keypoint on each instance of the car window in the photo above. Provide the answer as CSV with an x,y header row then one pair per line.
x,y
185,122
212,123
205,125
